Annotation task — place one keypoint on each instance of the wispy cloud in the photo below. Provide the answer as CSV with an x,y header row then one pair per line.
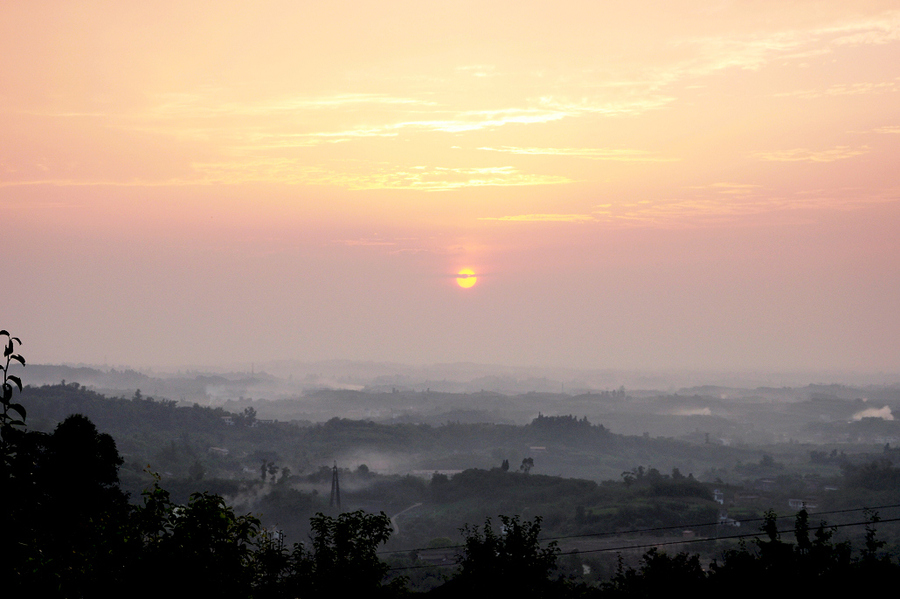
x,y
247,137
622,155
365,242
270,141
485,119
880,29
853,89
369,177
96,182
806,155
424,178
462,122
707,55
194,105
477,70
542,218
261,170
712,204
655,87
634,104
736,189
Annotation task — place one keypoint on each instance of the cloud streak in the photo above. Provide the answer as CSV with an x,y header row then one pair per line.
x,y
614,154
807,155
373,177
542,218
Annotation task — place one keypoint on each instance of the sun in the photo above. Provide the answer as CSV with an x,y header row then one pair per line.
x,y
466,278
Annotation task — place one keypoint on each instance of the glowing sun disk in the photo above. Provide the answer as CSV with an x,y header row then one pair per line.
x,y
466,278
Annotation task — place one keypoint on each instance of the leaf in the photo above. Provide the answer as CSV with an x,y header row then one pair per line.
x,y
18,408
17,340
9,349
4,332
18,359
16,380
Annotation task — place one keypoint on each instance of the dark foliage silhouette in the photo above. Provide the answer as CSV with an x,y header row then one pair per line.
x,y
68,530
507,560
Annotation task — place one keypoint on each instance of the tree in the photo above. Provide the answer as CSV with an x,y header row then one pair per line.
x,y
246,418
62,513
768,461
508,562
343,561
527,465
67,530
801,532
658,575
196,471
285,474
873,544
199,549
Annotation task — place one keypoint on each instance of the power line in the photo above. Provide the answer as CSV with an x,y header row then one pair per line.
x,y
695,540
682,526
663,544
655,529
662,528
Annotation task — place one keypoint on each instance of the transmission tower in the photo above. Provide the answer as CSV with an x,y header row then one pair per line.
x,y
335,488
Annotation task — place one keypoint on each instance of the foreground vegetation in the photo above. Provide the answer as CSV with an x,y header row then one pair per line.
x,y
69,529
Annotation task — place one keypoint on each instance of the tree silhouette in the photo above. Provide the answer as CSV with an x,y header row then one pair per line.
x,y
199,549
343,561
658,575
507,562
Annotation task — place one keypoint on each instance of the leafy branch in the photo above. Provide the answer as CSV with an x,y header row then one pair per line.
x,y
7,419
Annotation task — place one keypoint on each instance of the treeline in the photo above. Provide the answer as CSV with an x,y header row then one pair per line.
x,y
50,404
142,424
68,530
811,565
173,437
185,443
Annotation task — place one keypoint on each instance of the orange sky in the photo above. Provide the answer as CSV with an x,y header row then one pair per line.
x,y
637,184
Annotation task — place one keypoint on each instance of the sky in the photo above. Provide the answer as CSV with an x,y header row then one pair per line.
x,y
642,185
